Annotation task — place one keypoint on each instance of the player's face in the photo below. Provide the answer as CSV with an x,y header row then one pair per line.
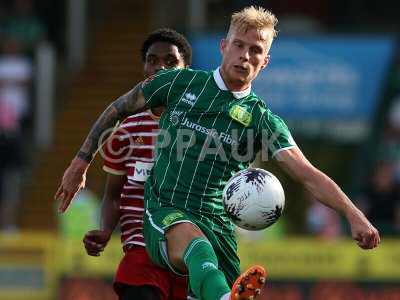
x,y
162,55
244,54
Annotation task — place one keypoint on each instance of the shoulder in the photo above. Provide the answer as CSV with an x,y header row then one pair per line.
x,y
258,106
261,107
188,74
180,72
142,116
174,76
261,112
137,122
181,79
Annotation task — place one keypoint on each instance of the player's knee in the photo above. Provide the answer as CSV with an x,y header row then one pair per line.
x,y
179,237
176,260
183,232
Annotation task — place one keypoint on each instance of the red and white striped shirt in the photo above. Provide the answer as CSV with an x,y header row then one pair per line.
x,y
130,151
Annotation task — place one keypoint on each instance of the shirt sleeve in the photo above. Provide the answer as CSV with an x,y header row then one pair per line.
x,y
156,89
114,152
273,134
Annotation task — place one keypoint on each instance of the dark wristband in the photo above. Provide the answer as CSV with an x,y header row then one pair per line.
x,y
85,156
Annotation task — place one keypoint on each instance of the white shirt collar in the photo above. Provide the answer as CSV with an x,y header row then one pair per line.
x,y
221,84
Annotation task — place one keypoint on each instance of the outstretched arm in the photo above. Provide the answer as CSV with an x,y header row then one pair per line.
x,y
328,192
128,104
75,175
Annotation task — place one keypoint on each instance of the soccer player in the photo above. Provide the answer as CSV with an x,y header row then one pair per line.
x,y
128,157
212,127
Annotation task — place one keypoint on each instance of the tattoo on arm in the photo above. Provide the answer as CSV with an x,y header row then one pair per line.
x,y
126,105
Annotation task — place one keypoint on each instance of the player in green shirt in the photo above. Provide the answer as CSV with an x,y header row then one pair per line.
x,y
212,127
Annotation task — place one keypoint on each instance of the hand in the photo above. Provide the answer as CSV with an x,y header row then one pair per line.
x,y
362,231
95,241
72,182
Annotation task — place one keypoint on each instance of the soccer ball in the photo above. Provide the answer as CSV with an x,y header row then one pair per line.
x,y
253,199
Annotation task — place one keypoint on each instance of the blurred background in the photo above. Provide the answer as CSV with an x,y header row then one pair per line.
x,y
334,77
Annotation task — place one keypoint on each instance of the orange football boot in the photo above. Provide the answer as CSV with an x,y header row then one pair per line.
x,y
248,285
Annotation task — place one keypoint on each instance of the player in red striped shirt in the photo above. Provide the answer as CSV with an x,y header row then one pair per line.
x,y
128,158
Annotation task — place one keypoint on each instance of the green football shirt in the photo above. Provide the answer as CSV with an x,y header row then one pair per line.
x,y
207,134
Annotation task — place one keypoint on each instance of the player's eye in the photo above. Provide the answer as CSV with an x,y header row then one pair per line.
x,y
238,44
255,50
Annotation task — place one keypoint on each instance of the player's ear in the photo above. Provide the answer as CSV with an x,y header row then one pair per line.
x,y
222,45
266,61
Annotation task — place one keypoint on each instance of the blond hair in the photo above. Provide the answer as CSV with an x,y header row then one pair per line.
x,y
254,17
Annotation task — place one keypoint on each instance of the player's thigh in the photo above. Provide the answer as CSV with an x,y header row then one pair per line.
x,y
157,222
144,292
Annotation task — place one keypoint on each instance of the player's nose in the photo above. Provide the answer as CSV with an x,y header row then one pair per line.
x,y
245,55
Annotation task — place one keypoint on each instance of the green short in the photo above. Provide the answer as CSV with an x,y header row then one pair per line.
x,y
158,220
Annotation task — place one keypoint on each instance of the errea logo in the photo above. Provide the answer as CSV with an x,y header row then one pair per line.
x,y
189,98
174,117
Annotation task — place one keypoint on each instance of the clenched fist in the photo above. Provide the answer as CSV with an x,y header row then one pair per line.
x,y
95,241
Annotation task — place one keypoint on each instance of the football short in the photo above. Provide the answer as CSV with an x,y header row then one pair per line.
x,y
158,220
136,269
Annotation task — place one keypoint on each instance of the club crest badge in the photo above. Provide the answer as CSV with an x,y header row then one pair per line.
x,y
240,114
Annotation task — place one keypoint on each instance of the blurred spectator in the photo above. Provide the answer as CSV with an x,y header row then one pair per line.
x,y
23,25
394,114
2,20
322,221
15,77
381,199
82,214
389,147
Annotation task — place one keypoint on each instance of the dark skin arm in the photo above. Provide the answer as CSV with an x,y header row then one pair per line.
x,y
75,176
96,240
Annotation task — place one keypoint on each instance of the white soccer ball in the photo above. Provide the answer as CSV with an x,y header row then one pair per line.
x,y
253,199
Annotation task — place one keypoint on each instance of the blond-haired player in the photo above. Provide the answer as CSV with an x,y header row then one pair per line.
x,y
212,128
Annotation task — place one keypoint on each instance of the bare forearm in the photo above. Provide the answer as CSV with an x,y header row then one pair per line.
x,y
325,190
128,104
109,214
316,182
111,202
328,192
